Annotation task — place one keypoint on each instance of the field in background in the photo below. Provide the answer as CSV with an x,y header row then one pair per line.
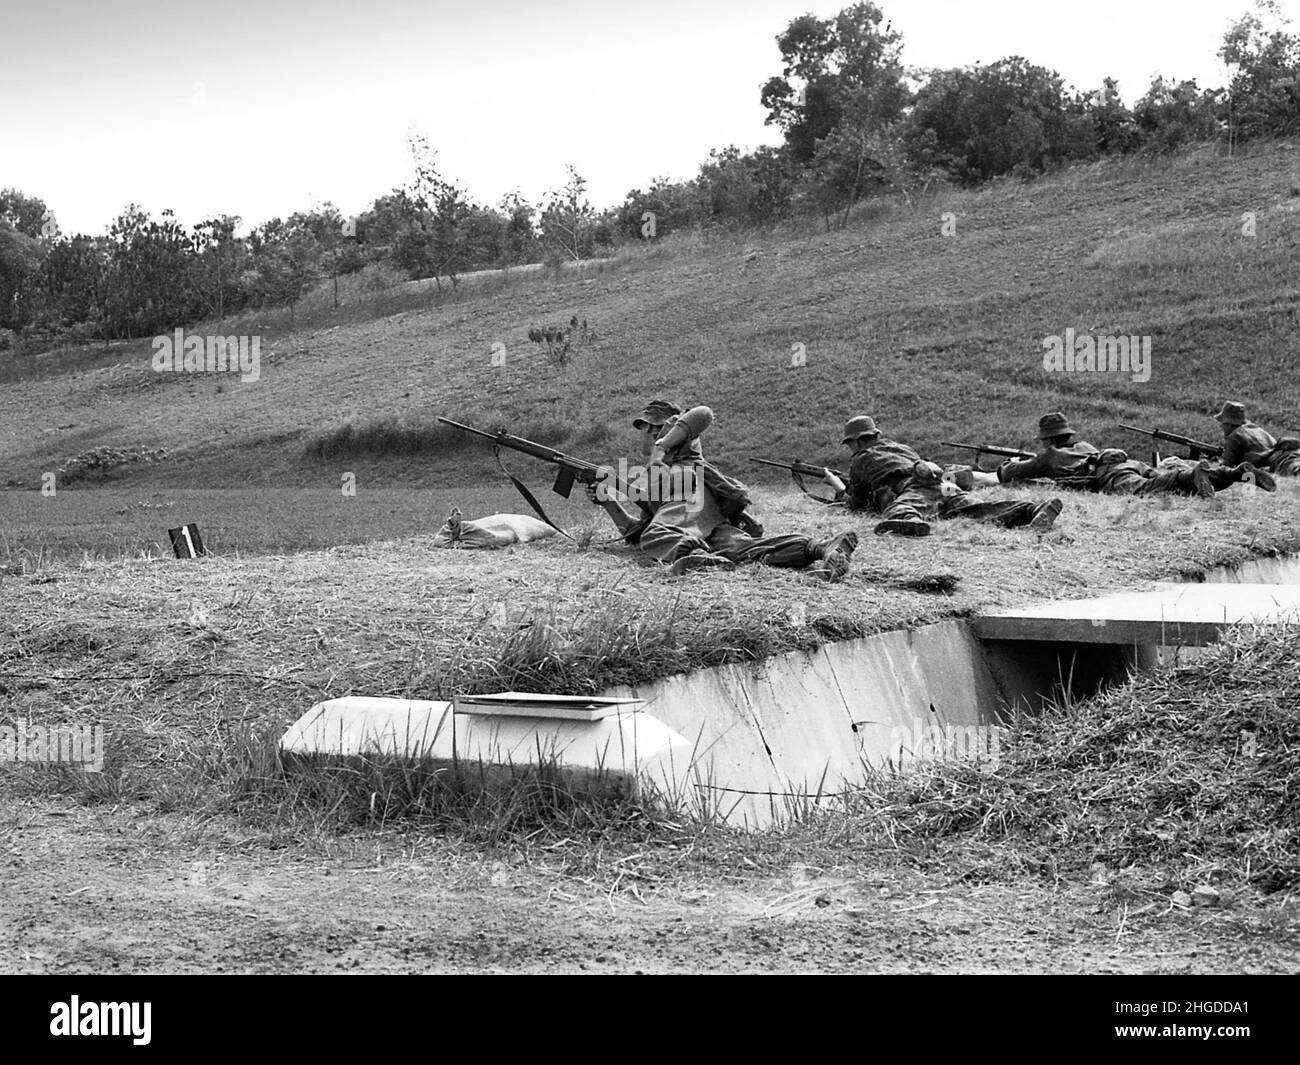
x,y
118,523
940,336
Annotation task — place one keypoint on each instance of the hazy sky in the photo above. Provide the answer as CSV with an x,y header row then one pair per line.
x,y
262,107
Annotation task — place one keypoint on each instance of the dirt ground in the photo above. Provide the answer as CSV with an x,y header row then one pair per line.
x,y
92,890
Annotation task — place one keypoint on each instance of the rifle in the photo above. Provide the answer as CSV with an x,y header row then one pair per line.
x,y
570,470
1196,449
800,470
804,469
989,449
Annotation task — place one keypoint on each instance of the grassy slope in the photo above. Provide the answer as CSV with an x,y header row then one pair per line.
x,y
940,337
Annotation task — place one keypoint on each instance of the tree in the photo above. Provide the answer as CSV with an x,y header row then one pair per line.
x,y
667,207
852,163
26,214
1169,116
983,121
21,257
20,269
217,258
519,241
77,285
568,221
435,214
339,254
148,274
379,228
849,66
284,262
1264,94
1111,127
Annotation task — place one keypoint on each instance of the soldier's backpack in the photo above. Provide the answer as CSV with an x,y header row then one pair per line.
x,y
732,496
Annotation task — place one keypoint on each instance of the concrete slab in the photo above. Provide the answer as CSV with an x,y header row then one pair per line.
x,y
633,746
628,745
371,725
1167,615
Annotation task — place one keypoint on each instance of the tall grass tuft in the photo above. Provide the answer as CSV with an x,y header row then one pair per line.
x,y
243,770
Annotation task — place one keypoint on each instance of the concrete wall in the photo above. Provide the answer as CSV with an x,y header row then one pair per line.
x,y
766,735
1285,570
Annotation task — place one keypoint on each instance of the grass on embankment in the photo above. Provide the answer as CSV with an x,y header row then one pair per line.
x,y
175,657
1182,777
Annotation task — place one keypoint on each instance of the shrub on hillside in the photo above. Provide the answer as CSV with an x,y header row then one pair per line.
x,y
560,340
99,461
390,436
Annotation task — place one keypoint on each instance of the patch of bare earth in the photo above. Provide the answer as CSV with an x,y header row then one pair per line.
x,y
94,890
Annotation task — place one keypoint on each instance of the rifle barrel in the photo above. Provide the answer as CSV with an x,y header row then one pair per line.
x,y
468,428
989,449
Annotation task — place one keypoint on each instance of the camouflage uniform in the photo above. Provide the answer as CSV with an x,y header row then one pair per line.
x,y
693,523
1248,442
908,492
879,474
916,492
1117,474
1064,463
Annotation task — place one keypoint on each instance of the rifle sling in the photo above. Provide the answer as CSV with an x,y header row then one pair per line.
x,y
632,536
798,479
528,495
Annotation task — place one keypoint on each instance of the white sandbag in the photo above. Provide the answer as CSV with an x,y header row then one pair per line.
x,y
496,530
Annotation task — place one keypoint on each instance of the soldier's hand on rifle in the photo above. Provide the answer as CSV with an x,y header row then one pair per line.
x,y
599,490
832,482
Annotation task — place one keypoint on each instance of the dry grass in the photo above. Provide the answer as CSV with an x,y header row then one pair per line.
x,y
399,618
1183,777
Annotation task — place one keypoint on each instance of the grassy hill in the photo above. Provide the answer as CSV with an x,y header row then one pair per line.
x,y
940,337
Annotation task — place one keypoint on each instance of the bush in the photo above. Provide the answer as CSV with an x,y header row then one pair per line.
x,y
98,461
